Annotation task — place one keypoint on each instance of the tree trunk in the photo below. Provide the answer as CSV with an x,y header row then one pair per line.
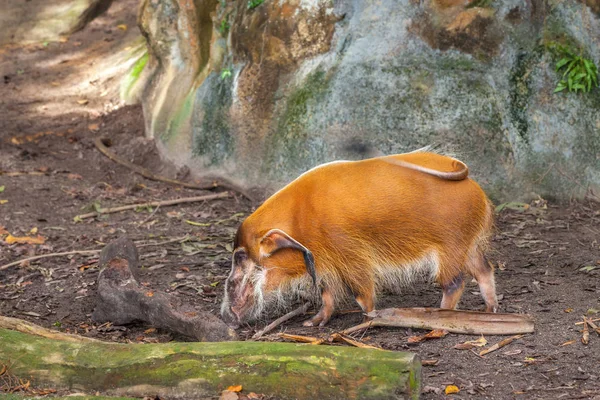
x,y
197,370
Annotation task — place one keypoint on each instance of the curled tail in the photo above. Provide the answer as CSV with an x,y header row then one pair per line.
x,y
427,163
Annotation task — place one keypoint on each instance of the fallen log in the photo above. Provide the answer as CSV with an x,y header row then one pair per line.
x,y
123,300
200,370
455,321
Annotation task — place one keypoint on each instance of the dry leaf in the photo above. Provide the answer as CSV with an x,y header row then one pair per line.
x,y
3,231
150,294
84,267
236,388
10,239
74,177
150,330
83,101
33,231
512,352
122,27
451,389
94,127
253,395
469,344
568,343
435,334
55,83
3,201
568,310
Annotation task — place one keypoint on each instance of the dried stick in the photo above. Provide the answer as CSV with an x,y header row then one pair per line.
x,y
585,339
500,344
70,253
589,319
592,325
454,321
23,326
337,337
302,339
154,204
300,310
99,142
65,253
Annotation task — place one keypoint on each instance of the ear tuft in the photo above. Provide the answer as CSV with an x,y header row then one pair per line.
x,y
276,239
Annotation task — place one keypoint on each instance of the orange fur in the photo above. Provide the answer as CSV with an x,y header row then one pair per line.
x,y
359,218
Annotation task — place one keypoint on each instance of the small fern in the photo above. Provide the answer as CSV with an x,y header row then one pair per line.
x,y
578,73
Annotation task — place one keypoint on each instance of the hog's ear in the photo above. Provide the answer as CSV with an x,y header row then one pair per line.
x,y
277,239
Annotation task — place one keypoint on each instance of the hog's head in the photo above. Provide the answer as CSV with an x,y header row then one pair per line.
x,y
249,280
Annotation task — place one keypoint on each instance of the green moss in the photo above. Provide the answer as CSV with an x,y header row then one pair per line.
x,y
179,118
520,89
212,134
133,75
283,369
291,141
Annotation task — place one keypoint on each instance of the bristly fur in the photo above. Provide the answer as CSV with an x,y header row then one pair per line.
x,y
430,223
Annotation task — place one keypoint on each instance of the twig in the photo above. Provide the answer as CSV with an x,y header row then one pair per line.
x,y
302,339
500,344
359,327
20,325
585,339
338,337
300,310
154,204
150,216
70,253
66,253
589,319
592,325
99,142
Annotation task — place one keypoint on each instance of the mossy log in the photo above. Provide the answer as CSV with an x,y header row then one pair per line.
x,y
198,370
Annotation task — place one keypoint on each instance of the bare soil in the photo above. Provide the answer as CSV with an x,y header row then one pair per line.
x,y
547,257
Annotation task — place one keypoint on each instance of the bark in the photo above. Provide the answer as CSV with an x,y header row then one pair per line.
x,y
199,370
123,300
455,321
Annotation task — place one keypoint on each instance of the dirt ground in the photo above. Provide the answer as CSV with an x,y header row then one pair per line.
x,y
55,101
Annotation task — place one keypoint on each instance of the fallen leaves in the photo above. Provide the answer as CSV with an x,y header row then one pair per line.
x,y
451,389
470,344
435,334
39,239
236,388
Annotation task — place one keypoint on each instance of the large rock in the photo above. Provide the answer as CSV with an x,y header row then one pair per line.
x,y
261,94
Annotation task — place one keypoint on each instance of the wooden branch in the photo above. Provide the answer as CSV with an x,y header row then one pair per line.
x,y
455,321
64,253
99,142
23,326
70,253
202,370
499,345
154,204
300,310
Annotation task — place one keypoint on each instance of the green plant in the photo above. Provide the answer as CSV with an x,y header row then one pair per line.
x,y
225,73
254,3
224,27
578,73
